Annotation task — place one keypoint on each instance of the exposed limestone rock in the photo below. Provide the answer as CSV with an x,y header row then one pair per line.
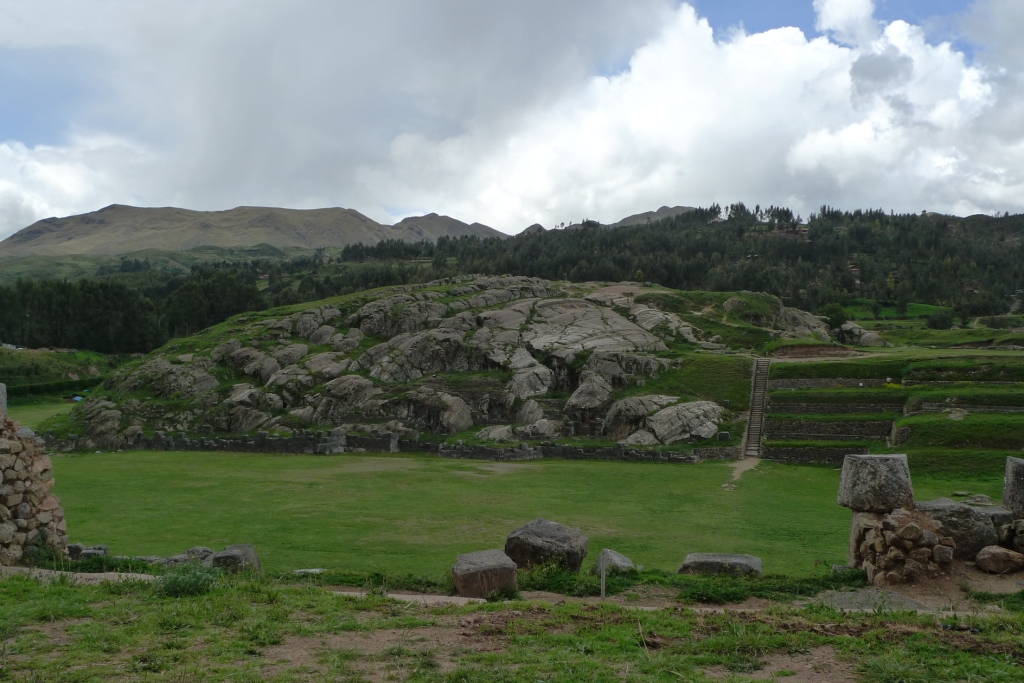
x,y
640,438
169,380
251,397
328,365
253,362
852,333
590,398
630,414
529,413
540,429
568,326
438,411
680,422
651,319
497,433
224,350
291,354
796,323
349,341
322,334
409,357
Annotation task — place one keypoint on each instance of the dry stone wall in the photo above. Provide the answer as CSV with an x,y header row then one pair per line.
x,y
31,516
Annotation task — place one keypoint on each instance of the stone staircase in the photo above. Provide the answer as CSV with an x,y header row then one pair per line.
x,y
758,394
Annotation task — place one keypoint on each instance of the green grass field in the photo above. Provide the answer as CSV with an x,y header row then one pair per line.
x,y
415,514
33,413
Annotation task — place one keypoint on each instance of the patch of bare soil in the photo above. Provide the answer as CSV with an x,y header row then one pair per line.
x,y
819,664
744,465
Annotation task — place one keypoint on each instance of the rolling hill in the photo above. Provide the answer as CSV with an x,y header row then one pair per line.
x,y
119,229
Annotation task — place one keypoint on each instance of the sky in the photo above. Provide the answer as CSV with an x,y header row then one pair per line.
x,y
510,112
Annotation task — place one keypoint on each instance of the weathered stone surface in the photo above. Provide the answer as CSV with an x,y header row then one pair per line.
x,y
530,378
998,560
680,422
322,334
876,483
529,413
351,390
408,357
543,541
328,365
1013,487
613,562
237,557
497,433
484,573
542,428
169,380
630,414
970,527
721,563
641,437
290,354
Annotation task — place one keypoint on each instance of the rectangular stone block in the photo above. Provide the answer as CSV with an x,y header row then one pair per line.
x,y
482,573
1013,487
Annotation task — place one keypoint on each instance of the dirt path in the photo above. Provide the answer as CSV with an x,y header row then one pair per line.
x,y
744,465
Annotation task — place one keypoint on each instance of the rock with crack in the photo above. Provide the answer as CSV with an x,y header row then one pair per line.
x,y
399,314
630,414
796,323
590,398
253,362
322,334
530,378
529,413
409,357
565,327
292,381
680,422
852,333
224,350
876,483
652,320
252,397
542,541
342,397
435,411
328,365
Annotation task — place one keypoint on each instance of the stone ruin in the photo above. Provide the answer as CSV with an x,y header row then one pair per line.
x,y
896,540
31,517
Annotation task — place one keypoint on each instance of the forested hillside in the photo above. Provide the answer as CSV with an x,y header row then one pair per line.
x,y
971,265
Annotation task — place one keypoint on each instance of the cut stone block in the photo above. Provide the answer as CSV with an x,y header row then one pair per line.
x,y
542,541
876,483
720,563
237,557
613,562
1013,487
483,573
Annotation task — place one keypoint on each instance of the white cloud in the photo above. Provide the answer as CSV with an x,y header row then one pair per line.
x,y
492,111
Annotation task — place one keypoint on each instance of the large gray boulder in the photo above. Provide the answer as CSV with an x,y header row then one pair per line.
x,y
876,483
590,397
721,563
971,528
630,414
235,558
680,422
484,573
613,561
1013,487
542,541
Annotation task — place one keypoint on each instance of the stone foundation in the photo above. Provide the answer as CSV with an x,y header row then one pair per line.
x,y
899,547
31,517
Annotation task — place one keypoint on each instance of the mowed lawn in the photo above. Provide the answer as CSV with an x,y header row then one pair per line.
x,y
32,414
401,514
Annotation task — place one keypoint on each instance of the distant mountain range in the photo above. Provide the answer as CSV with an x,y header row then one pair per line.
x,y
119,229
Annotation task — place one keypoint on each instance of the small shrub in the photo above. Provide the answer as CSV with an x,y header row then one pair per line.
x,y
187,580
940,320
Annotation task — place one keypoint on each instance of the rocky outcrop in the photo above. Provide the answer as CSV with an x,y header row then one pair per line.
x,y
630,414
852,333
680,422
31,517
173,380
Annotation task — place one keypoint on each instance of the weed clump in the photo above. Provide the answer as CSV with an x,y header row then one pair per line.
x,y
187,580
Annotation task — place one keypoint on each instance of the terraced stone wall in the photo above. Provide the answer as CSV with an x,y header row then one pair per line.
x,y
810,455
824,383
808,429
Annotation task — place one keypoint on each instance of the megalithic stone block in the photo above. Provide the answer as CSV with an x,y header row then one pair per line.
x,y
1013,487
876,483
482,573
